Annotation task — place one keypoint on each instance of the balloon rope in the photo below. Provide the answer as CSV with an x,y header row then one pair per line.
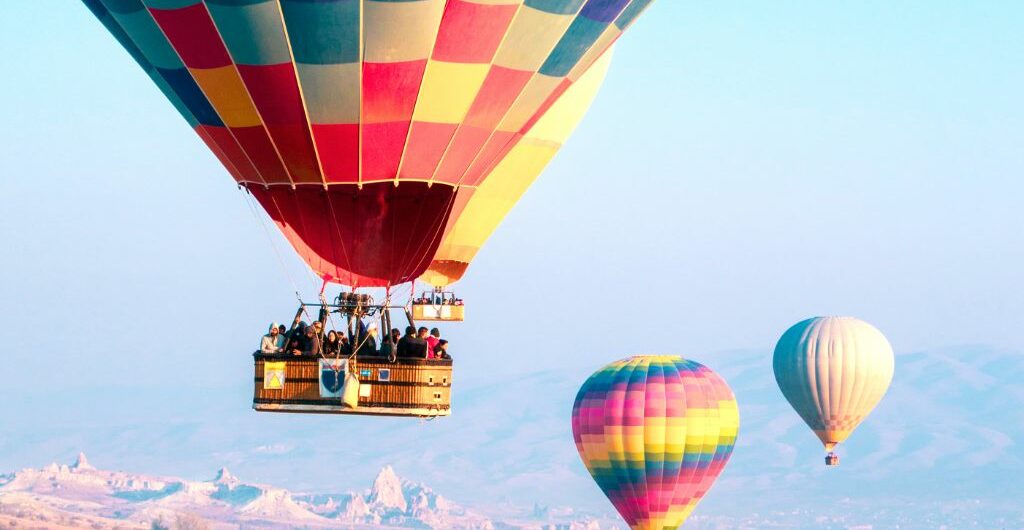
x,y
341,238
280,260
266,232
313,277
437,233
405,260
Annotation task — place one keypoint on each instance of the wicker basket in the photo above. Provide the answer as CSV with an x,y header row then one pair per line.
x,y
407,387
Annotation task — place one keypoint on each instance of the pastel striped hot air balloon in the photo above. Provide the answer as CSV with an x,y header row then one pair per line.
x,y
833,371
365,128
655,431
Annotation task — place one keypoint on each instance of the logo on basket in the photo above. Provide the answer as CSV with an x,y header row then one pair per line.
x,y
384,374
273,376
332,376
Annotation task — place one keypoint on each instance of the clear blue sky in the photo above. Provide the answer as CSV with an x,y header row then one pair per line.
x,y
746,165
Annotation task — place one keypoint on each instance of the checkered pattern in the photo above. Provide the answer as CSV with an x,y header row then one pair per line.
x,y
289,93
437,92
655,432
476,215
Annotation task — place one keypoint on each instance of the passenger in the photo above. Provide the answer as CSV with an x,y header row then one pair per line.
x,y
402,349
295,345
345,347
422,334
412,346
297,339
387,350
362,332
318,328
283,330
396,335
312,344
368,348
441,350
332,345
435,335
273,342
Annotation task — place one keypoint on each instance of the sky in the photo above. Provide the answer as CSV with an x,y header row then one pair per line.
x,y
745,166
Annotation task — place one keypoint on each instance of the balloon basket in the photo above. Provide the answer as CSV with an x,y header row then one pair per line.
x,y
418,388
438,313
438,306
832,460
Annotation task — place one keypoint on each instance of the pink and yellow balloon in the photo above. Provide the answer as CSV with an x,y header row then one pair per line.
x,y
655,431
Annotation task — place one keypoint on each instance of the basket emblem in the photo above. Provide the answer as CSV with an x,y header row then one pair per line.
x,y
273,376
332,376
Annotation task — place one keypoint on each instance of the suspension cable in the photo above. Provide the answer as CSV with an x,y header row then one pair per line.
x,y
266,232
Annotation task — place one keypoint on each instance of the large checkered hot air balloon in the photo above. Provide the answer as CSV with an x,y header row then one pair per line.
x,y
386,138
833,371
655,431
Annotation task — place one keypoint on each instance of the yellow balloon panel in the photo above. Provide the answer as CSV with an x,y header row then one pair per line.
x,y
501,190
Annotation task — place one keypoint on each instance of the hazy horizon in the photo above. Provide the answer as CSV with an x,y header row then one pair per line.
x,y
744,167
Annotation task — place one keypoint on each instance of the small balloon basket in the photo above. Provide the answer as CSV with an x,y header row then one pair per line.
x,y
438,306
831,460
306,384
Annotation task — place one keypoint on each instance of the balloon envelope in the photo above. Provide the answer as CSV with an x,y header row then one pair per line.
x,y
363,126
833,371
655,431
471,225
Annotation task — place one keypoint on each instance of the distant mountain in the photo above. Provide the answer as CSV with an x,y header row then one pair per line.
x,y
942,448
81,496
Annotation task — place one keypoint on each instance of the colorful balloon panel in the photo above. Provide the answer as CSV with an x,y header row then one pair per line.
x,y
292,94
484,208
833,371
324,225
655,431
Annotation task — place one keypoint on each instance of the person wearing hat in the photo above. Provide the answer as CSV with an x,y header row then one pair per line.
x,y
273,341
312,345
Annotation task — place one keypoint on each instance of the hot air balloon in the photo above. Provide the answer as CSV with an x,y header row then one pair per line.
x,y
385,139
655,431
833,371
364,127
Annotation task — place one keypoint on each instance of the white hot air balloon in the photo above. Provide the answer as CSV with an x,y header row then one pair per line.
x,y
833,371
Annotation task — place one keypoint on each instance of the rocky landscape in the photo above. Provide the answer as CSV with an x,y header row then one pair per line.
x,y
61,496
